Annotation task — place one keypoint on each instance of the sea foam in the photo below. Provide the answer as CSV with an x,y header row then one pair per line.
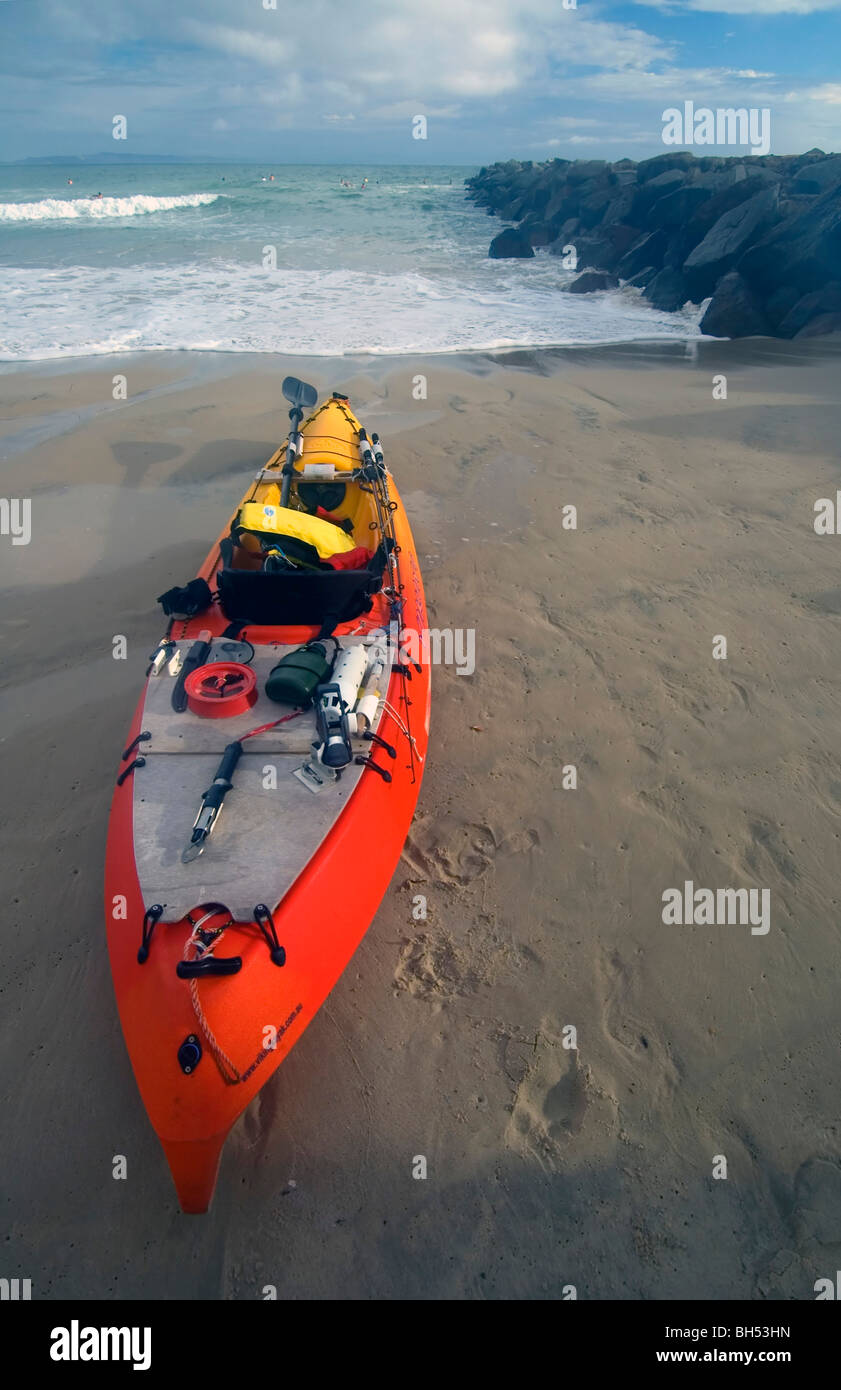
x,y
66,209
220,306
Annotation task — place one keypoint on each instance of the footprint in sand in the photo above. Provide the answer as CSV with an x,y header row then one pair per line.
x,y
552,1103
634,1040
766,843
566,1104
432,966
587,418
463,855
817,1202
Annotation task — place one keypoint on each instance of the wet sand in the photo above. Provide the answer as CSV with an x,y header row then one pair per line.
x,y
548,1165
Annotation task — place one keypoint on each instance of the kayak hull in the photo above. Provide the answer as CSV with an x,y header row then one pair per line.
x,y
248,1022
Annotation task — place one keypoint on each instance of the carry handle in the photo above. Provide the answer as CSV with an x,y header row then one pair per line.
x,y
210,965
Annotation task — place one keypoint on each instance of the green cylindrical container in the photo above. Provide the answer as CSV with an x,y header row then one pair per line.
x,y
294,679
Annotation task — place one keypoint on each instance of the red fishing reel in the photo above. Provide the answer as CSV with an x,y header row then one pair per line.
x,y
221,690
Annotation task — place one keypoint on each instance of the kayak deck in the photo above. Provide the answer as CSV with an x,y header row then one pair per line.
x,y
271,824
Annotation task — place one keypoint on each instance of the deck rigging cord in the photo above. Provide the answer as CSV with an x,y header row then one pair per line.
x,y
204,941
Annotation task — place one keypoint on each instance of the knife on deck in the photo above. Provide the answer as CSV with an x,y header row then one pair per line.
x,y
196,656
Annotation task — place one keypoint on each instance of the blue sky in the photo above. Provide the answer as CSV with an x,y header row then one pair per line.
x,y
340,80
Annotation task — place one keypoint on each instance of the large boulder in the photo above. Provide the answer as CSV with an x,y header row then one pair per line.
x,y
675,208
780,303
603,249
798,160
819,176
590,281
586,169
562,205
821,326
620,235
647,194
621,202
681,241
642,277
568,229
810,307
592,208
648,250
649,169
730,196
804,250
716,180
595,252
538,233
667,290
536,199
727,239
510,243
734,311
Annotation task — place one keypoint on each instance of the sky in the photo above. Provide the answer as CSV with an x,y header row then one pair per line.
x,y
340,81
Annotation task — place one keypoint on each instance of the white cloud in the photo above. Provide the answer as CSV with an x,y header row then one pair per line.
x,y
513,69
239,43
406,110
747,7
614,140
571,122
829,92
584,42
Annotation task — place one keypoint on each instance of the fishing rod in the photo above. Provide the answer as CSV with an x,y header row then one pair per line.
x,y
375,472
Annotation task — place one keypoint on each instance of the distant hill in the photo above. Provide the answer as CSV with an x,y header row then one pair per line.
x,y
107,157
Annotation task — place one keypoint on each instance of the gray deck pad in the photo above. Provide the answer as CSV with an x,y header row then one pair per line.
x,y
187,732
270,825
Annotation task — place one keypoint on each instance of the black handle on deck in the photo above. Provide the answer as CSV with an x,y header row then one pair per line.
x,y
222,783
211,965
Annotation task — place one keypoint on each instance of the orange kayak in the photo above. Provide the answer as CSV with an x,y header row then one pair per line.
x,y
226,932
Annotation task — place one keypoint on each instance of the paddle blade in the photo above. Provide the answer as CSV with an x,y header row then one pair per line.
x,y
299,393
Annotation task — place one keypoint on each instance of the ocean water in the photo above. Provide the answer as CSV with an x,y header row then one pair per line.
x,y
232,259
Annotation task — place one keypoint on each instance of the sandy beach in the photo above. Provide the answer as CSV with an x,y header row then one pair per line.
x,y
549,1165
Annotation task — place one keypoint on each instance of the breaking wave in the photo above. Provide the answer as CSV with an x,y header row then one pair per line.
x,y
67,209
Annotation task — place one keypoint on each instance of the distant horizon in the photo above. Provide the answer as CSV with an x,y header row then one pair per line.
x,y
92,160
104,160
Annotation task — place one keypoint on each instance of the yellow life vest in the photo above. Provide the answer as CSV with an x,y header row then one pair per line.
x,y
267,519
